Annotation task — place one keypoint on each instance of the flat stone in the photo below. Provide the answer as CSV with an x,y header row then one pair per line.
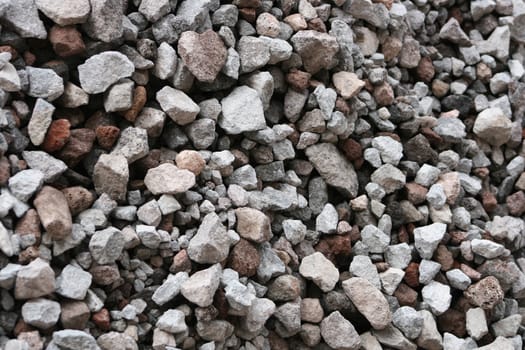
x,y
101,71
254,53
409,321
74,339
362,266
177,105
51,167
334,168
320,270
40,121
73,283
476,323
204,54
317,50
437,296
201,286
25,183
106,246
168,179
242,111
44,83
212,243
370,302
53,210
119,97
66,12
374,13
35,280
339,333
326,221
154,10
41,313
487,249
111,176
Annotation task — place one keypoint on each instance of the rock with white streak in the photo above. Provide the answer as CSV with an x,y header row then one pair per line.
x,y
40,121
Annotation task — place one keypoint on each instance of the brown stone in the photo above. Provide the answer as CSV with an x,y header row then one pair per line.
x,y
298,79
311,310
470,272
244,258
425,69
57,135
78,199
453,321
391,48
443,256
439,88
79,145
351,149
336,248
101,320
489,201
5,171
11,50
387,3
416,193
181,262
29,254
384,94
483,72
248,14
317,24
486,293
190,160
105,274
53,210
29,224
74,314
347,84
139,100
35,280
284,288
516,203
204,54
107,135
412,275
405,295
66,41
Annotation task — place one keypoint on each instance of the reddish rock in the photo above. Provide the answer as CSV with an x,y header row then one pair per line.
x,y
21,327
190,160
57,135
342,106
317,24
101,320
107,135
416,193
402,235
244,258
29,254
29,58
66,41
443,256
79,145
439,88
139,100
298,79
391,48
5,171
384,94
181,262
74,314
470,272
105,275
489,201
486,293
453,321
336,248
425,69
351,149
248,14
387,3
516,203
412,275
29,224
78,199
248,3
405,295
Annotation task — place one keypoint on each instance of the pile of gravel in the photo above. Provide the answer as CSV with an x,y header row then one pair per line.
x,y
258,174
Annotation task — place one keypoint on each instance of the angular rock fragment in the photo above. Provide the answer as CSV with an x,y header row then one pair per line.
x,y
53,210
100,71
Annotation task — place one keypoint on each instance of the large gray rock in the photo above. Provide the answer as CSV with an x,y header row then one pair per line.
x,y
41,313
170,288
105,21
22,16
106,245
389,177
427,238
339,333
74,339
132,144
334,168
374,13
65,12
242,110
212,243
493,126
73,283
47,164
25,183
44,83
101,71
172,321
437,296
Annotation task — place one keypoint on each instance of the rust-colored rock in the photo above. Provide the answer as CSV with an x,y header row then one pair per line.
x,y
416,193
384,94
139,100
78,199
107,135
57,135
29,224
66,41
405,295
244,258
412,275
101,320
29,254
351,149
336,248
298,79
105,275
5,171
425,69
387,3
317,24
190,160
489,201
453,321
248,14
443,256
79,145
181,262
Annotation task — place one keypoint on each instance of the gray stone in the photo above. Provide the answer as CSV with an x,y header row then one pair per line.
x,y
361,266
334,168
35,280
497,44
437,296
320,270
326,221
111,175
409,321
398,255
390,279
339,333
106,245
201,286
41,313
239,297
9,79
317,50
73,96
8,273
177,105
148,236
476,323
119,97
51,167
168,179
427,238
427,270
101,71
73,283
170,288
374,13
132,144
507,327
391,150
166,62
458,279
172,321
280,50
154,10
44,83
245,177
370,302
375,239
487,249
66,12
25,183
254,53
242,110
74,339
500,343
270,265
105,21
392,337
427,175
22,16
212,243
452,32
436,196
493,126
40,121
294,230
389,177
149,213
